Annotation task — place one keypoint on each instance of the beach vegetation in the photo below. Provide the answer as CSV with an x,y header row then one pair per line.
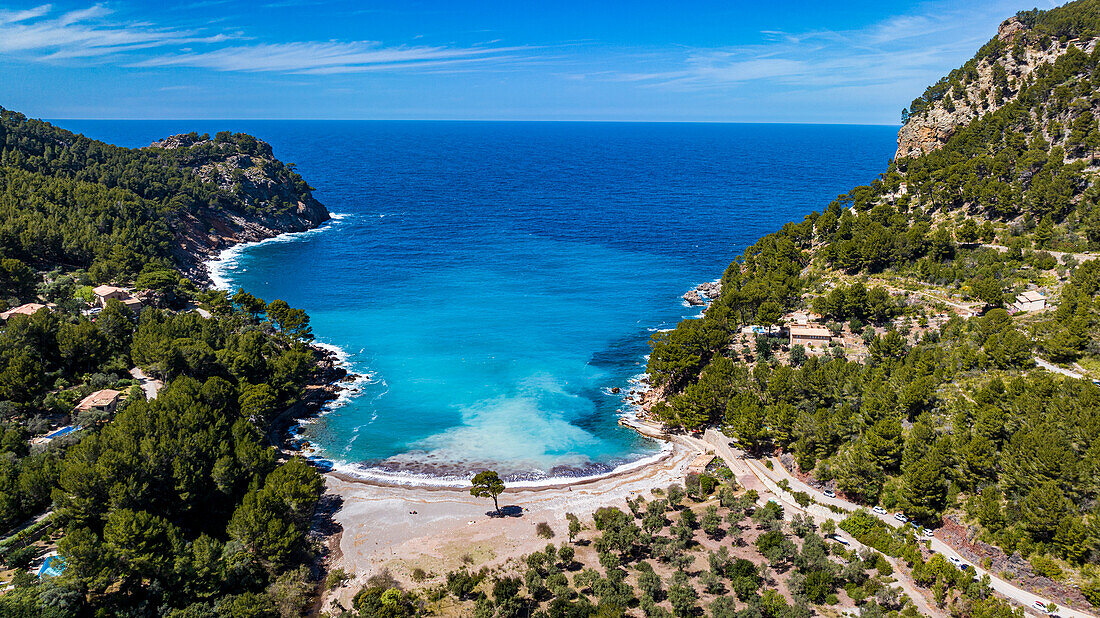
x,y
487,484
336,578
575,525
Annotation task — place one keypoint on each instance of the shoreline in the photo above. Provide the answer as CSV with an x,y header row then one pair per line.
x,y
439,529
217,261
434,523
649,431
331,390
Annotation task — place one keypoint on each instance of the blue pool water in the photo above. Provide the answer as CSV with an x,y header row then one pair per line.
x,y
495,280
52,566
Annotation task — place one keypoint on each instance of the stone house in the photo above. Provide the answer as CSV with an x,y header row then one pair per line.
x,y
105,400
810,334
104,293
27,309
1031,300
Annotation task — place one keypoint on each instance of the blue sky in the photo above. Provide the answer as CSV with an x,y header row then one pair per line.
x,y
821,62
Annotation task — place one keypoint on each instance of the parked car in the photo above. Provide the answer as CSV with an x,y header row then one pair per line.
x,y
840,539
914,525
962,566
830,493
928,532
1040,606
901,517
879,510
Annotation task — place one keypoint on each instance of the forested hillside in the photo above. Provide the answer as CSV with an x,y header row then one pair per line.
x,y
928,399
177,505
73,202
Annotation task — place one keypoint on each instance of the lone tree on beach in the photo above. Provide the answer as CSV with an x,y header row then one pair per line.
x,y
487,484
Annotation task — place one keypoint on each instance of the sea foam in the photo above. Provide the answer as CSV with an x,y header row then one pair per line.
x,y
228,259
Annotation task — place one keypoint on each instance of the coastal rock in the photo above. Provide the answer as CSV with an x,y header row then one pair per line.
x,y
692,297
616,390
257,197
710,289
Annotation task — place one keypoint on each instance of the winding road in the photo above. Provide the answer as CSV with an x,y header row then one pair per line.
x,y
720,443
1056,369
747,469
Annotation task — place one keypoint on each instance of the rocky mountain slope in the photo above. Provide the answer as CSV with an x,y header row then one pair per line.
x,y
993,78
925,386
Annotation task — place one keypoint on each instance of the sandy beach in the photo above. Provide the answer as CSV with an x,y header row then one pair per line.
x,y
451,528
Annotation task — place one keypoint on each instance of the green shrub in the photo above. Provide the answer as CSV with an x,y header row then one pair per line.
x,y
1045,565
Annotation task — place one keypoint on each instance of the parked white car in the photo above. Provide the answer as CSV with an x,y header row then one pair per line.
x,y
962,566
879,510
901,517
830,493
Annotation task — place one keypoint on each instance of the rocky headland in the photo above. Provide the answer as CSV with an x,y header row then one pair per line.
x,y
257,197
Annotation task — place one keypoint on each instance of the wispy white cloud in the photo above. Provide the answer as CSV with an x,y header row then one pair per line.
x,y
94,33
85,33
325,57
10,17
914,47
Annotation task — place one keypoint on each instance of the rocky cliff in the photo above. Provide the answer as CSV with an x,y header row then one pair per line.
x,y
258,197
988,82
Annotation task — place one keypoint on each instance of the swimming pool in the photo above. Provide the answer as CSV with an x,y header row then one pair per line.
x,y
52,567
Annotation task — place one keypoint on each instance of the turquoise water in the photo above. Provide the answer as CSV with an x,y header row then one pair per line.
x,y
496,280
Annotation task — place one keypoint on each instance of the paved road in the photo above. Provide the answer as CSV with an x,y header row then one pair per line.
x,y
713,439
1056,369
148,384
1009,591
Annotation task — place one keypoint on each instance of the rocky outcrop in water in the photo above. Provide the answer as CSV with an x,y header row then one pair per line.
x,y
693,298
703,293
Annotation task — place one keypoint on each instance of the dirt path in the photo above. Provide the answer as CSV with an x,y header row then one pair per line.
x,y
1058,255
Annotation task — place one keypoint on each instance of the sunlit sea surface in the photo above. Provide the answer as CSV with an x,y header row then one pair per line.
x,y
495,280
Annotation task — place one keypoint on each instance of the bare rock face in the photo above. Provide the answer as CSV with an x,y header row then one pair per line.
x,y
710,289
183,140
930,129
1010,29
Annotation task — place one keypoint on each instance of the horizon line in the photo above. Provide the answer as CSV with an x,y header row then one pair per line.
x,y
532,120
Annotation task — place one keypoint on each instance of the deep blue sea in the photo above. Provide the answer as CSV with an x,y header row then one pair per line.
x,y
496,279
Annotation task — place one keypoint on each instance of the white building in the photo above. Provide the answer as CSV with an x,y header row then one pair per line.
x,y
1031,300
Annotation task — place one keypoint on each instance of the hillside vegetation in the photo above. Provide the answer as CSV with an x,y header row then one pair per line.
x,y
173,506
929,399
117,213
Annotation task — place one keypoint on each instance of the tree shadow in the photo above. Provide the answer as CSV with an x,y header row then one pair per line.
x,y
324,521
507,511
